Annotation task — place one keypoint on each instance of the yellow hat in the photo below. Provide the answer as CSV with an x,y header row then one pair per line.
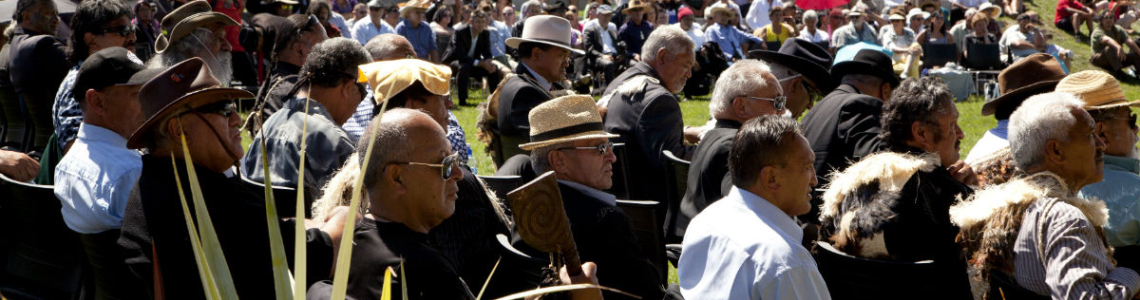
x,y
1099,90
388,78
565,119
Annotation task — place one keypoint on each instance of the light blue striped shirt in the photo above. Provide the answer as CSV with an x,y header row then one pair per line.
x,y
94,179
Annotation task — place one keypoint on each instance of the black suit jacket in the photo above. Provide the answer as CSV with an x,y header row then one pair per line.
x,y
519,94
593,42
708,173
647,121
461,44
603,235
842,128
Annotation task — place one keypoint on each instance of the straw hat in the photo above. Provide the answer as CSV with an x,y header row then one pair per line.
x,y
1034,74
721,7
186,84
388,78
565,119
1099,90
992,11
635,5
421,5
546,29
184,20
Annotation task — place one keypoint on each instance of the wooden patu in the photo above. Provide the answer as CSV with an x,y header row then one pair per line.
x,y
542,222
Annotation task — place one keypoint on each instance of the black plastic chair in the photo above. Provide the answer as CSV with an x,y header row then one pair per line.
x,y
45,259
284,197
647,228
620,186
983,56
502,185
15,125
517,271
850,277
676,183
937,54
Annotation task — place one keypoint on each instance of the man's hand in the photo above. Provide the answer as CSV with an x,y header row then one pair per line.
x,y
18,166
608,57
693,134
488,65
589,273
963,173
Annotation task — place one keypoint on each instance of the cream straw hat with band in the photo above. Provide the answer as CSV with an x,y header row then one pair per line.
x,y
1099,90
565,119
388,78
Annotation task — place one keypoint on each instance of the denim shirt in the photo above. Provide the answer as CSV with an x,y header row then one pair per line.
x,y
729,39
1120,191
95,178
327,146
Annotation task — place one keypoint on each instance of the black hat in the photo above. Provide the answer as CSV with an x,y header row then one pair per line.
x,y
556,5
867,61
107,67
802,56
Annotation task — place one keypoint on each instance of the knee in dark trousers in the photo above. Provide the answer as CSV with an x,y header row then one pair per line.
x,y
463,75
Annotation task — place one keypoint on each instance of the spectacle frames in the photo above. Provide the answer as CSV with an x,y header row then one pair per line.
x,y
446,167
779,102
602,149
225,108
1131,120
123,31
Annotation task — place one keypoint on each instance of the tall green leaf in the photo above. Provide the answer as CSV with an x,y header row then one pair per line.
x,y
211,246
209,285
282,282
300,265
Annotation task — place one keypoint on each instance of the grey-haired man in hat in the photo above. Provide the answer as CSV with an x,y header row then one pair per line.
x,y
857,30
195,30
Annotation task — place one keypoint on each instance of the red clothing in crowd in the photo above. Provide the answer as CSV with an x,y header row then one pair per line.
x,y
1063,13
233,9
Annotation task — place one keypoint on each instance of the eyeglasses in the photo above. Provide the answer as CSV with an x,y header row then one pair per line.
x,y
446,166
779,102
1131,120
602,149
123,31
288,7
226,108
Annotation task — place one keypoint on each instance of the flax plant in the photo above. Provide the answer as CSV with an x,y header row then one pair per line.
x,y
212,267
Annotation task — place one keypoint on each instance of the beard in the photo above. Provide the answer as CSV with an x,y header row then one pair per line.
x,y
221,66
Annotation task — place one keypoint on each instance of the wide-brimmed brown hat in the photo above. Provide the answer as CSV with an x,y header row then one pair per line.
x,y
388,78
1099,90
565,119
1034,74
634,5
182,21
545,29
186,84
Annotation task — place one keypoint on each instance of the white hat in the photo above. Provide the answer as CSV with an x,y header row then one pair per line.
x,y
992,11
917,12
546,29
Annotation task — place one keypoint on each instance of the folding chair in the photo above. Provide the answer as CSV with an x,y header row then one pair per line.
x,y
937,55
647,229
45,258
502,185
677,183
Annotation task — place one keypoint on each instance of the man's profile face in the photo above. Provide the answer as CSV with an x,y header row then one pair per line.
x,y
676,69
1083,152
1118,130
801,92
797,177
588,166
43,17
121,103
551,63
430,196
755,104
948,139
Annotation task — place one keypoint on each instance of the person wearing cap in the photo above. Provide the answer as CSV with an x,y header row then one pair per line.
x,y
844,126
855,31
413,27
811,31
186,103
687,20
744,91
730,39
636,30
642,107
96,25
365,29
916,19
1116,126
294,41
37,63
282,8
193,30
469,54
1035,74
567,138
325,99
1024,39
544,54
759,13
1109,42
801,67
94,180
902,195
748,245
734,18
1037,222
601,46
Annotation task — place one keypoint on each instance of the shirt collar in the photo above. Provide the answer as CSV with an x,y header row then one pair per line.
x,y
315,108
546,85
592,192
1129,164
768,212
89,132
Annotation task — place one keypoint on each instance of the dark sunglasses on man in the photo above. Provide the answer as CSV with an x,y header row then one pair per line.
x,y
225,108
123,31
446,167
601,148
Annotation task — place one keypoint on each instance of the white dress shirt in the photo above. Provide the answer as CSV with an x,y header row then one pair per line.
x,y
363,30
819,36
697,35
95,178
744,247
758,13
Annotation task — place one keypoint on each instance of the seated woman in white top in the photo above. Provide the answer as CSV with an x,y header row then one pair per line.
x,y
811,31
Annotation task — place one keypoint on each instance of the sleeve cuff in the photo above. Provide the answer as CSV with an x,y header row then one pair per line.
x,y
1125,276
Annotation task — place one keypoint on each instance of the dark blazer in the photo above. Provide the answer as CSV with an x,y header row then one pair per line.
x,y
461,44
593,42
603,235
842,128
647,121
708,173
518,95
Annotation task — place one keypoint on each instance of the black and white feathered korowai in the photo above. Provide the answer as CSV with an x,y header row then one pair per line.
x,y
991,220
636,84
859,200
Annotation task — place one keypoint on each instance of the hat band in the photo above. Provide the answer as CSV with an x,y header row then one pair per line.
x,y
564,44
566,131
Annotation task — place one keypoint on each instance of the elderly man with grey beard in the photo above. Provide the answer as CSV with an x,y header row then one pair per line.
x,y
194,30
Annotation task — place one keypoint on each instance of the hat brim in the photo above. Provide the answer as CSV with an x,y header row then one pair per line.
x,y
816,73
726,10
627,10
1118,104
515,42
191,99
1019,94
570,138
857,67
186,26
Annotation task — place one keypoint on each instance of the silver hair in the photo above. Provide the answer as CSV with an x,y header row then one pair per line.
x,y
741,79
671,38
810,15
1039,119
527,5
540,157
382,45
193,45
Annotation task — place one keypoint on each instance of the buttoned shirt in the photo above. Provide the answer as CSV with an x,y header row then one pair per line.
x,y
1120,191
744,247
499,37
421,37
758,13
730,39
95,178
819,36
363,30
848,35
994,140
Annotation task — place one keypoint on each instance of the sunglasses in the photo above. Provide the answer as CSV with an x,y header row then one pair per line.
x,y
123,31
288,7
779,102
446,167
225,108
602,149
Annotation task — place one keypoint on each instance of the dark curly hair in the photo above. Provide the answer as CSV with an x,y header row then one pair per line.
x,y
91,16
334,61
916,99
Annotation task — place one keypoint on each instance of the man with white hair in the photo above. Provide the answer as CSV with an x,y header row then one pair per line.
x,y
529,9
194,30
1059,247
743,92
644,110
